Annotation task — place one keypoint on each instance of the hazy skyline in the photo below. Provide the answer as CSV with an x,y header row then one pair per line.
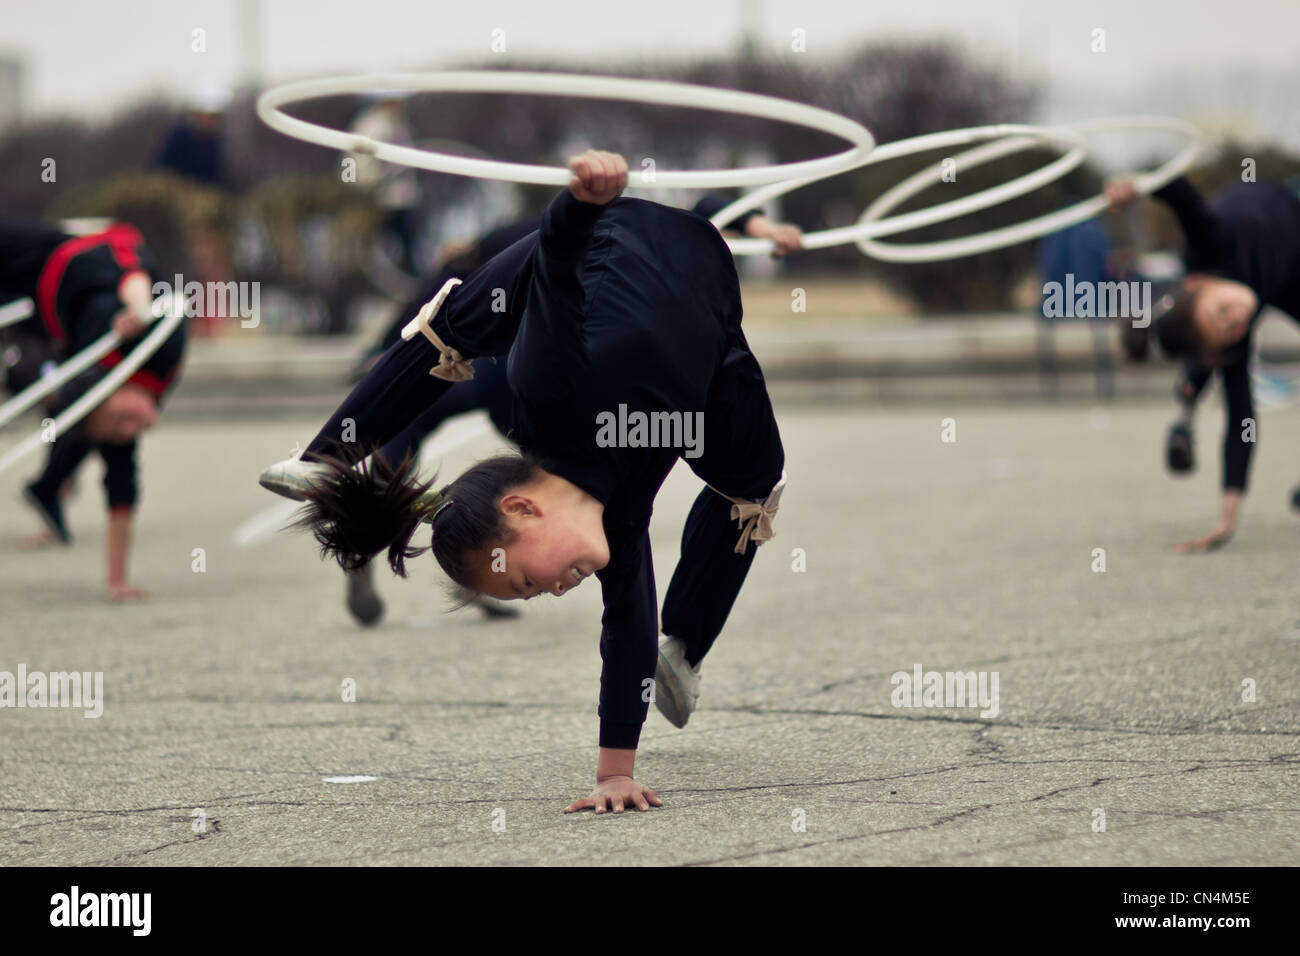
x,y
1194,59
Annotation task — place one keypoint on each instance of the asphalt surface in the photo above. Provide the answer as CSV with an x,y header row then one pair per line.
x,y
1120,693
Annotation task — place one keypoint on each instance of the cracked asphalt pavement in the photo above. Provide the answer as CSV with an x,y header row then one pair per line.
x,y
1121,693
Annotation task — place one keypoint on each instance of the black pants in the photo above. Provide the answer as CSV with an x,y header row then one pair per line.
x,y
121,482
744,458
398,389
92,314
488,391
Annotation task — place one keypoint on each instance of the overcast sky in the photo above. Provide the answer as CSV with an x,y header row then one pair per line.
x,y
1196,58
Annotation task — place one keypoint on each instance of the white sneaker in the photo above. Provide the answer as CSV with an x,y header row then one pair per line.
x,y
677,683
291,477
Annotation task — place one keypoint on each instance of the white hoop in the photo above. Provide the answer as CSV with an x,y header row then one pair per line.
x,y
48,383
110,383
565,84
1032,228
15,311
1018,137
73,367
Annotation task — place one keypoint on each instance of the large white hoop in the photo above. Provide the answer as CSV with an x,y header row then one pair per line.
x,y
1015,138
73,367
656,92
16,311
46,384
111,382
1032,228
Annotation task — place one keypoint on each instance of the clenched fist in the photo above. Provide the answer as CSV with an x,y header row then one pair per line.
x,y
598,176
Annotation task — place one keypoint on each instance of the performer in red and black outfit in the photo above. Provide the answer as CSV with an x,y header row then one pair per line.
x,y
83,287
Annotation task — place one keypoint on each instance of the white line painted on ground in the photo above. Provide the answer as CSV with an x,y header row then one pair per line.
x,y
356,779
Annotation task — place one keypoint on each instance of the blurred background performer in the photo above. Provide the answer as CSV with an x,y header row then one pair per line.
x,y
395,189
1242,254
83,287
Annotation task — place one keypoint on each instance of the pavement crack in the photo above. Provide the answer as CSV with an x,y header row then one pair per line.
x,y
932,825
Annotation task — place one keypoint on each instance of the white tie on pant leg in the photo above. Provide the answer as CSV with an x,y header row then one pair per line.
x,y
755,517
452,366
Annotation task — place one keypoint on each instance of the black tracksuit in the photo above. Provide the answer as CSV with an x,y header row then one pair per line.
x,y
1249,232
635,304
488,390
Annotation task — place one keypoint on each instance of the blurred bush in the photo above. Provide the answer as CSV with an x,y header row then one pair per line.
x,y
169,211
311,236
308,235
289,210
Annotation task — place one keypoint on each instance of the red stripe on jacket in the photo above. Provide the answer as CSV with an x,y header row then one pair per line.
x,y
147,380
122,240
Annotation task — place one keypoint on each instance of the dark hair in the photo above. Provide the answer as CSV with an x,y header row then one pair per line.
x,y
356,510
473,520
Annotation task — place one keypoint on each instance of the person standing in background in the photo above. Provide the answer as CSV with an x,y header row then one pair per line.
x,y
394,188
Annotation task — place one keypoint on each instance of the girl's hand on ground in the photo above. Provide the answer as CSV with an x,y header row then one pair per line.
x,y
616,793
1121,192
1216,539
598,176
121,593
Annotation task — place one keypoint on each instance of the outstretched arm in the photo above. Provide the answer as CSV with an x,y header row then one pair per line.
x,y
1199,224
554,337
1242,428
710,204
598,179
628,649
1238,444
785,236
134,293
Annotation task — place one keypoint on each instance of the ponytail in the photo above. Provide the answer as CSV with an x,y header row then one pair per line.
x,y
356,509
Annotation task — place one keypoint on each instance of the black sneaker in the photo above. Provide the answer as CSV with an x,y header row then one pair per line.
x,y
1180,456
51,512
1295,498
363,600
